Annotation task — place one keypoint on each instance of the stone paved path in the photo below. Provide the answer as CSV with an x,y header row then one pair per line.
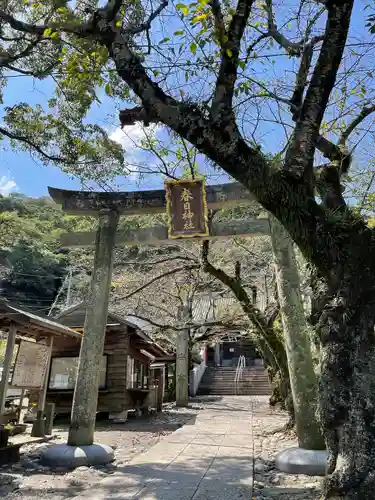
x,y
210,458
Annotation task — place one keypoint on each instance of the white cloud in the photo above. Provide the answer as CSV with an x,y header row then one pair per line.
x,y
6,185
130,137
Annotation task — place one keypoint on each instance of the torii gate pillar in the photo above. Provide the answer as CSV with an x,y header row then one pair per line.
x,y
82,425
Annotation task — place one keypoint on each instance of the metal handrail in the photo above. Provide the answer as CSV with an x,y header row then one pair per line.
x,y
239,371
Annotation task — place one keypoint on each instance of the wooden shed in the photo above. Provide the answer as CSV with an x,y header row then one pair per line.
x,y
127,380
35,335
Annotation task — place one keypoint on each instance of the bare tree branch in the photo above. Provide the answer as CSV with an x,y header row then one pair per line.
x,y
300,155
26,140
207,324
302,75
82,30
36,74
147,25
221,108
254,315
21,26
293,48
153,263
6,59
365,112
338,153
219,23
156,278
252,46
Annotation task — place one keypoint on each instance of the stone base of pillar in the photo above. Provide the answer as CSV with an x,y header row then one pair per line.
x,y
70,457
302,461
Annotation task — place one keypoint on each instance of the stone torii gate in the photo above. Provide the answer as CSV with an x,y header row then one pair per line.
x,y
108,207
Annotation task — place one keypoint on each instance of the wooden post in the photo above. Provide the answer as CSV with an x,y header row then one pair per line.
x,y
85,400
20,408
160,389
39,428
44,388
6,366
166,378
49,411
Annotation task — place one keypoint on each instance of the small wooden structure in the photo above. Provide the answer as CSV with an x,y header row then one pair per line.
x,y
127,380
35,335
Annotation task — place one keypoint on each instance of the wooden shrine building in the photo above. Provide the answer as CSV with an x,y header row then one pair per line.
x,y
132,369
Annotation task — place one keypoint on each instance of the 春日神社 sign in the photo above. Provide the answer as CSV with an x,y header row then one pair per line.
x,y
31,365
186,208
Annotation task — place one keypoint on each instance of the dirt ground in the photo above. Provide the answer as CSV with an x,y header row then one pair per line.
x,y
28,480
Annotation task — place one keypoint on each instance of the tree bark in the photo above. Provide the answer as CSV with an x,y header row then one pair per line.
x,y
347,388
303,380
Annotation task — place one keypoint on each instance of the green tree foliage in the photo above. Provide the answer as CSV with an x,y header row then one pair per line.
x,y
29,239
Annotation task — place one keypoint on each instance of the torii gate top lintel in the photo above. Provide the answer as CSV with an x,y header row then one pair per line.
x,y
140,202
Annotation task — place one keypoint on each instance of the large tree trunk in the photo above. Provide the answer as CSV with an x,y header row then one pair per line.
x,y
303,380
347,391
278,373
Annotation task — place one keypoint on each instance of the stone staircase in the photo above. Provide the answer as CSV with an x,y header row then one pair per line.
x,y
253,381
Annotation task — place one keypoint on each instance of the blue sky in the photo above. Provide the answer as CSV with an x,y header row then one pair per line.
x,y
20,172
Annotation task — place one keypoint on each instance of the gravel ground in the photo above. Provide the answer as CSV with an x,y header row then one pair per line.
x,y
28,480
269,440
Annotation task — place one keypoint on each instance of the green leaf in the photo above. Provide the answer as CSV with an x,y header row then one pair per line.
x,y
156,72
229,53
242,65
179,33
183,8
193,48
200,17
166,39
118,23
108,89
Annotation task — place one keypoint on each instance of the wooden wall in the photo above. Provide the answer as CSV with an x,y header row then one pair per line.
x,y
115,397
